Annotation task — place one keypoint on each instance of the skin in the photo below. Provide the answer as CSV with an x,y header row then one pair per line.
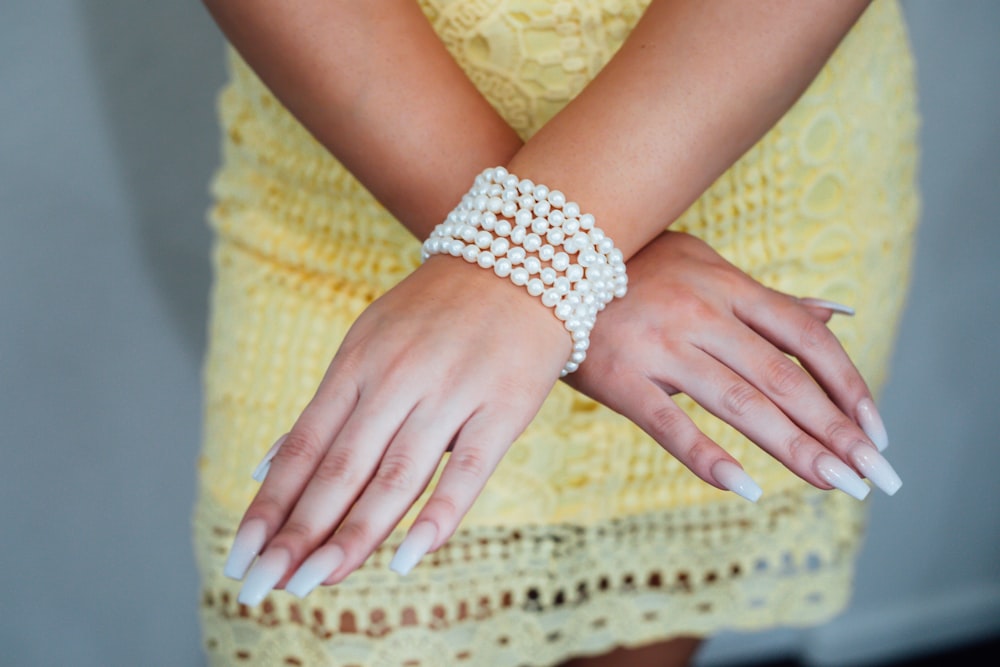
x,y
694,86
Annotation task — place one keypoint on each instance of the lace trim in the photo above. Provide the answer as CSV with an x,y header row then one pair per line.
x,y
536,595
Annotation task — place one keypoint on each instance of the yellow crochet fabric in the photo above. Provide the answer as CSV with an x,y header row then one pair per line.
x,y
589,535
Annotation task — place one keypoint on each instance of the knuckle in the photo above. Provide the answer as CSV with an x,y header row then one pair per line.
x,y
691,305
443,509
297,530
782,376
700,450
799,448
840,430
739,399
338,468
355,532
666,422
395,473
813,334
470,461
301,444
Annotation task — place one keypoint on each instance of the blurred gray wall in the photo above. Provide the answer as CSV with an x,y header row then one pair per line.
x,y
107,142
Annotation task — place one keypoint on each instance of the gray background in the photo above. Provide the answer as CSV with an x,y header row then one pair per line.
x,y
107,141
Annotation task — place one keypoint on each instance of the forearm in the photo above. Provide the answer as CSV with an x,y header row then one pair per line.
x,y
374,84
695,85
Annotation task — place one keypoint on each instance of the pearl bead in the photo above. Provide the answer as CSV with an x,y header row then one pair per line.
x,y
582,286
616,257
487,221
502,228
562,285
582,345
527,202
499,247
573,299
470,253
494,190
542,208
509,209
587,258
532,265
496,174
550,297
517,235
494,204
557,199
548,275
455,247
535,287
523,218
484,239
586,222
563,311
486,259
541,192
620,292
546,252
556,218
596,235
571,226
525,186
578,356
539,225
516,255
560,261
581,334
570,367
509,196
606,245
509,182
574,273
467,233
555,236
532,242
571,209
519,276
480,202
502,267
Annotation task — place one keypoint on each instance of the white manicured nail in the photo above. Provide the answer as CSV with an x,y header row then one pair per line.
x,y
829,305
260,472
414,546
315,570
871,423
246,545
734,478
874,466
839,475
262,577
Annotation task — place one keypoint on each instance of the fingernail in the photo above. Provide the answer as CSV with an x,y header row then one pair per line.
x,y
734,478
315,570
260,472
874,466
871,423
263,576
246,545
839,475
829,305
414,546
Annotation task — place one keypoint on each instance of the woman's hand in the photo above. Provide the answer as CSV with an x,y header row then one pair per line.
x,y
694,323
450,356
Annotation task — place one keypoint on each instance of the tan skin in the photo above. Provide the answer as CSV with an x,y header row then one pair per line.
x,y
694,86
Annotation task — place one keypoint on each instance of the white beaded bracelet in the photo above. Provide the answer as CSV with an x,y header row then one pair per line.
x,y
533,236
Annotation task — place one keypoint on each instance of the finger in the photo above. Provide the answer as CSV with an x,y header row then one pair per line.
x,y
655,412
737,402
785,323
401,476
792,390
329,490
288,472
479,446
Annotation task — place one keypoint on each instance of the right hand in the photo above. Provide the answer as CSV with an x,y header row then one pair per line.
x,y
694,323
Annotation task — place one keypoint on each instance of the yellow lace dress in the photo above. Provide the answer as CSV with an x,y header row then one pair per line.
x,y
589,535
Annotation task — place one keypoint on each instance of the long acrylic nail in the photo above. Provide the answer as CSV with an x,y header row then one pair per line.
x,y
871,423
829,305
260,472
246,545
315,570
734,478
414,547
839,475
262,577
874,466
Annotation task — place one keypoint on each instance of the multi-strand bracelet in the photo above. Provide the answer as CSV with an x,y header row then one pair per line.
x,y
534,237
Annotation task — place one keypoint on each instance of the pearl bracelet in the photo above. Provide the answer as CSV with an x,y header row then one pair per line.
x,y
533,236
